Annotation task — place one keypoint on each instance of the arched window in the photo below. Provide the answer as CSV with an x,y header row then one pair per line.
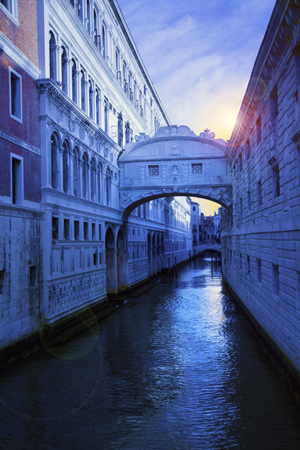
x,y
125,85
74,83
52,56
106,112
80,9
103,41
65,166
64,70
108,187
99,172
84,175
93,179
76,171
91,99
88,13
96,37
98,106
82,91
54,157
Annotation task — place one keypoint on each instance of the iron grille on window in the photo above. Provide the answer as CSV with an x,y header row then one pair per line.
x,y
153,171
197,169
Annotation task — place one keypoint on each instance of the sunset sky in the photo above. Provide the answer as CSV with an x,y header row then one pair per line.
x,y
200,55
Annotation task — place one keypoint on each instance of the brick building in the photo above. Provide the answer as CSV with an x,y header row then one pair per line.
x,y
20,172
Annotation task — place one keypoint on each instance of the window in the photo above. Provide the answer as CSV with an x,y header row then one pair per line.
x,y
64,70
108,187
65,166
82,91
84,175
15,95
54,160
66,229
258,266
248,265
98,106
103,42
55,228
153,171
99,232
249,200
1,281
16,180
32,275
74,81
275,278
275,180
99,170
194,208
95,258
91,109
7,4
258,130
76,171
93,179
76,230
93,231
274,105
259,196
197,169
52,56
86,230
100,258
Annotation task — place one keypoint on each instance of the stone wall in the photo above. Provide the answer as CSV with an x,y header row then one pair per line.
x,y
261,241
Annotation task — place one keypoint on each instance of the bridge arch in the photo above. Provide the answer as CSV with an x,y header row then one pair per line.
x,y
174,162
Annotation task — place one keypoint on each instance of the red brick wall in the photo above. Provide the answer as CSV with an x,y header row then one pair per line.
x,y
31,171
29,129
23,36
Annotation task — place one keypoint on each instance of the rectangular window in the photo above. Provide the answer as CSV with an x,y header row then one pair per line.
x,y
99,232
100,258
66,229
32,275
76,230
259,196
95,258
275,278
7,4
1,281
275,180
153,171
93,231
197,169
258,270
16,180
249,200
258,130
55,228
274,104
86,230
15,95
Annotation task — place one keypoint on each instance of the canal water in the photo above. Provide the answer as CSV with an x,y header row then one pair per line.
x,y
175,368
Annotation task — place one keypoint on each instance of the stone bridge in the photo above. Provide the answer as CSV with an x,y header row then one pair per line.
x,y
174,162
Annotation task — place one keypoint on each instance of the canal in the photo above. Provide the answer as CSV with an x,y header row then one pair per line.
x,y
175,368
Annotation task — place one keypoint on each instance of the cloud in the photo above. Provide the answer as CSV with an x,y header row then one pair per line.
x,y
199,54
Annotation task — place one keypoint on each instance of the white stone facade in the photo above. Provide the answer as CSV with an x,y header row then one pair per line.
x,y
261,243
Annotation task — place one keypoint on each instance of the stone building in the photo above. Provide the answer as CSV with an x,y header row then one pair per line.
x,y
261,242
196,223
21,274
74,92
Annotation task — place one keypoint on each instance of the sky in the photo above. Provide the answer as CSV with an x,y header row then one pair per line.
x,y
199,55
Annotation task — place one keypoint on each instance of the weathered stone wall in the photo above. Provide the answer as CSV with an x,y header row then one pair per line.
x,y
20,273
261,242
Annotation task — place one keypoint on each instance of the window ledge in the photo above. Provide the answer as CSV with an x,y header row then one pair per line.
x,y
9,14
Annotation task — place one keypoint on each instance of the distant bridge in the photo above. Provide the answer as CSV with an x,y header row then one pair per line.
x,y
206,248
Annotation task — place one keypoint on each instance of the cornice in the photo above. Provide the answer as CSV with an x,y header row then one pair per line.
x,y
283,29
136,55
49,87
19,142
16,55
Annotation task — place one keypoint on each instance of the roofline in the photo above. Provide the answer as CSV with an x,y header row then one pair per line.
x,y
122,22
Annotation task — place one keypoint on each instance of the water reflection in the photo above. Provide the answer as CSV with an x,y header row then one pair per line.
x,y
176,368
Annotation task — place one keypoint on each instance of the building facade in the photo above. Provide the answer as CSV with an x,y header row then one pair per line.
x,y
261,241
21,274
74,92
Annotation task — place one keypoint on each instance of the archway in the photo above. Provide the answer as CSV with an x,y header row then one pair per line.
x,y
121,267
111,279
